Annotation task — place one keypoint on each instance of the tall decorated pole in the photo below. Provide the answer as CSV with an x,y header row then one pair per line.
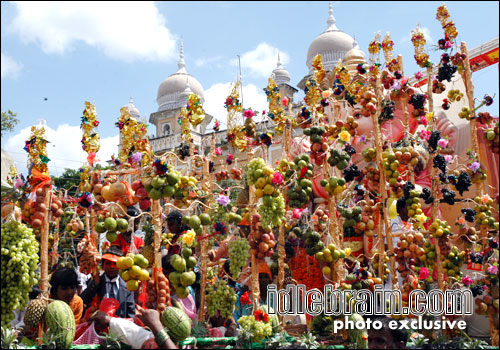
x,y
374,49
208,189
422,59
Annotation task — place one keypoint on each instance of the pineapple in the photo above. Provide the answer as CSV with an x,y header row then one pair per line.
x,y
35,312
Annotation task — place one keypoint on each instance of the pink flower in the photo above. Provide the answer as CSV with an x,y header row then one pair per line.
x,y
424,273
277,178
297,213
448,158
18,182
223,200
248,113
425,134
467,281
218,151
284,101
419,75
492,269
423,120
443,143
136,158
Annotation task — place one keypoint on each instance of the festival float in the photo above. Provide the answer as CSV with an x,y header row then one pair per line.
x,y
364,146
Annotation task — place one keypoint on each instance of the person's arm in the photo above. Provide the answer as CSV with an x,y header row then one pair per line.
x,y
90,292
151,319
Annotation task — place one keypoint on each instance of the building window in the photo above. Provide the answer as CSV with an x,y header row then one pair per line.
x,y
166,129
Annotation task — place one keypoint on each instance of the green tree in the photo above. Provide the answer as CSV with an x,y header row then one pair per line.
x,y
69,180
9,121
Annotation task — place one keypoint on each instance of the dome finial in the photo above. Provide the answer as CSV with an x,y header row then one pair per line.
x,y
354,42
279,63
131,100
331,20
182,63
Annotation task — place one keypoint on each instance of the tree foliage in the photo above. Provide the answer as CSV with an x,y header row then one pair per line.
x,y
9,121
69,180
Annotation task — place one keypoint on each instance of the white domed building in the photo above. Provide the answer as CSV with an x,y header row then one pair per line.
x,y
173,93
332,45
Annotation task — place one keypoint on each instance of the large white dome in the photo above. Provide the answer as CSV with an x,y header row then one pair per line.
x,y
332,45
170,90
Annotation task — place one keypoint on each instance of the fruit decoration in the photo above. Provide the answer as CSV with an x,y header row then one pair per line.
x,y
132,269
261,242
259,329
266,180
439,228
19,263
158,295
220,297
334,185
319,144
90,258
239,252
492,138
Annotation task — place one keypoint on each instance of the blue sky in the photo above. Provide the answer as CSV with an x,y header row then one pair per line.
x,y
108,52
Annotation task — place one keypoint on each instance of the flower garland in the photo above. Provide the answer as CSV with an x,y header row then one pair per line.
x,y
90,139
419,41
36,146
134,139
276,111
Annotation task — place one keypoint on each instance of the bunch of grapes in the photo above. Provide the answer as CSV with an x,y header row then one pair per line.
x,y
255,170
220,297
239,251
258,329
19,262
492,138
272,211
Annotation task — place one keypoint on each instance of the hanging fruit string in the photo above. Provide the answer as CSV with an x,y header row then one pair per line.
x,y
135,148
418,40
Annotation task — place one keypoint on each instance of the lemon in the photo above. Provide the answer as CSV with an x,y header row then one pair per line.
x,y
132,285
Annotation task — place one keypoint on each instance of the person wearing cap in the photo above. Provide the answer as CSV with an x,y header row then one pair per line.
x,y
110,285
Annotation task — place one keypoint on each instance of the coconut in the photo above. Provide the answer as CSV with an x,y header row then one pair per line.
x,y
97,188
7,209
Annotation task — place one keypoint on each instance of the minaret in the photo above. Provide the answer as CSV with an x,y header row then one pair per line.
x,y
182,63
331,20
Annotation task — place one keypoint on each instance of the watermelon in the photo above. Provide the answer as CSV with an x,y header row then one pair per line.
x,y
60,320
177,323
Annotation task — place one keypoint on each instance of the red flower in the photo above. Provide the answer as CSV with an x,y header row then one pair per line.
x,y
245,298
259,315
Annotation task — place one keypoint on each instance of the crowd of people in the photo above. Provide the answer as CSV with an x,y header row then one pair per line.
x,y
87,294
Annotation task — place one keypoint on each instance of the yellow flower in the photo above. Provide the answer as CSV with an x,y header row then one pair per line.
x,y
188,238
345,136
347,252
429,116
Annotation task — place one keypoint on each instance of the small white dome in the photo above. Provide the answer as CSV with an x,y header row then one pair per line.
x,y
280,74
171,89
132,109
353,57
332,45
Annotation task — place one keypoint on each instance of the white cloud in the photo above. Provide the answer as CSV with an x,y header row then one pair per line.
x,y
64,149
123,30
215,96
10,68
427,36
208,61
261,61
